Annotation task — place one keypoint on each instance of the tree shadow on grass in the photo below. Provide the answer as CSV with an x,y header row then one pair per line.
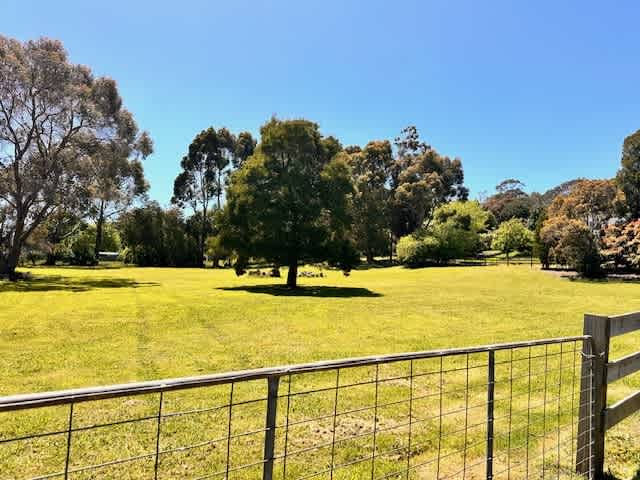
x,y
48,283
319,291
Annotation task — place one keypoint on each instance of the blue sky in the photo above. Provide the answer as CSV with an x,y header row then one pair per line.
x,y
543,91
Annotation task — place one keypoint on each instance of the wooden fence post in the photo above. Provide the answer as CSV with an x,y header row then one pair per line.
x,y
593,399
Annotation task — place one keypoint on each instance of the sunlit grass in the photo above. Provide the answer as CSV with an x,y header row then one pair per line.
x,y
81,327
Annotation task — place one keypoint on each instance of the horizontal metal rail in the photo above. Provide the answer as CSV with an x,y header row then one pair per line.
x,y
71,396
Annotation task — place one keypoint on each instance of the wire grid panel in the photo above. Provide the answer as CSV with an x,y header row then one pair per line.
x,y
496,413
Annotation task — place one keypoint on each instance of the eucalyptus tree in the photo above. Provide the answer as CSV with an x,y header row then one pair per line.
x,y
201,183
52,114
422,179
115,175
371,174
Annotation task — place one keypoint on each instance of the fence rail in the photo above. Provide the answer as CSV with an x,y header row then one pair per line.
x,y
509,410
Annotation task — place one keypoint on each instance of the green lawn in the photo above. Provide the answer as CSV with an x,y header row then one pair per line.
x,y
82,327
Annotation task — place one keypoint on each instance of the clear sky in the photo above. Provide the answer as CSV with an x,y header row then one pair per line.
x,y
543,90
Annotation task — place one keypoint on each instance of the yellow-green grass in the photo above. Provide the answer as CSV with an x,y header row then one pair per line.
x,y
82,327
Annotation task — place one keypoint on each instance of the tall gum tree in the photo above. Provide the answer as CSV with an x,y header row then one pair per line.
x,y
205,170
115,173
52,113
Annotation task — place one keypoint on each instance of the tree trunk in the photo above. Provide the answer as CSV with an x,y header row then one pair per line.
x,y
369,257
99,231
201,256
203,237
292,275
10,262
51,259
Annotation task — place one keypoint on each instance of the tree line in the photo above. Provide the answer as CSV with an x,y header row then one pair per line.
x,y
72,185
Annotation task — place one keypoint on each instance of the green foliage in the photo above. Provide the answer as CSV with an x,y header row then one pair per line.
x,y
204,174
422,179
512,235
628,177
57,116
509,201
455,232
571,242
371,169
79,249
82,250
156,237
289,202
540,248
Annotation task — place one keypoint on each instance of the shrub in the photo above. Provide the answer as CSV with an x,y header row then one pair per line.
x,y
82,250
572,243
454,233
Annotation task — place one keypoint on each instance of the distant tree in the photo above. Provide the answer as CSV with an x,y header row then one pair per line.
x,y
51,113
594,202
621,245
512,235
540,248
563,189
289,202
352,149
509,201
572,242
114,173
80,247
156,237
422,179
202,179
628,177
57,228
332,146
371,170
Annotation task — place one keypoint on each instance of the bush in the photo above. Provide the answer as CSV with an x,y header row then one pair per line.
x,y
413,251
82,250
572,243
454,233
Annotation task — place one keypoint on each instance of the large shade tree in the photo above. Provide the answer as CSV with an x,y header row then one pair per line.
x,y
289,202
52,113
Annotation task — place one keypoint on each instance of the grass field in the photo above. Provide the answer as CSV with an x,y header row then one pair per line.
x,y
81,327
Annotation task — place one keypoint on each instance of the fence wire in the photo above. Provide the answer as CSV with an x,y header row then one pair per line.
x,y
504,412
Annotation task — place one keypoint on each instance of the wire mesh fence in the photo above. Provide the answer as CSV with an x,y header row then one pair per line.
x,y
502,411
